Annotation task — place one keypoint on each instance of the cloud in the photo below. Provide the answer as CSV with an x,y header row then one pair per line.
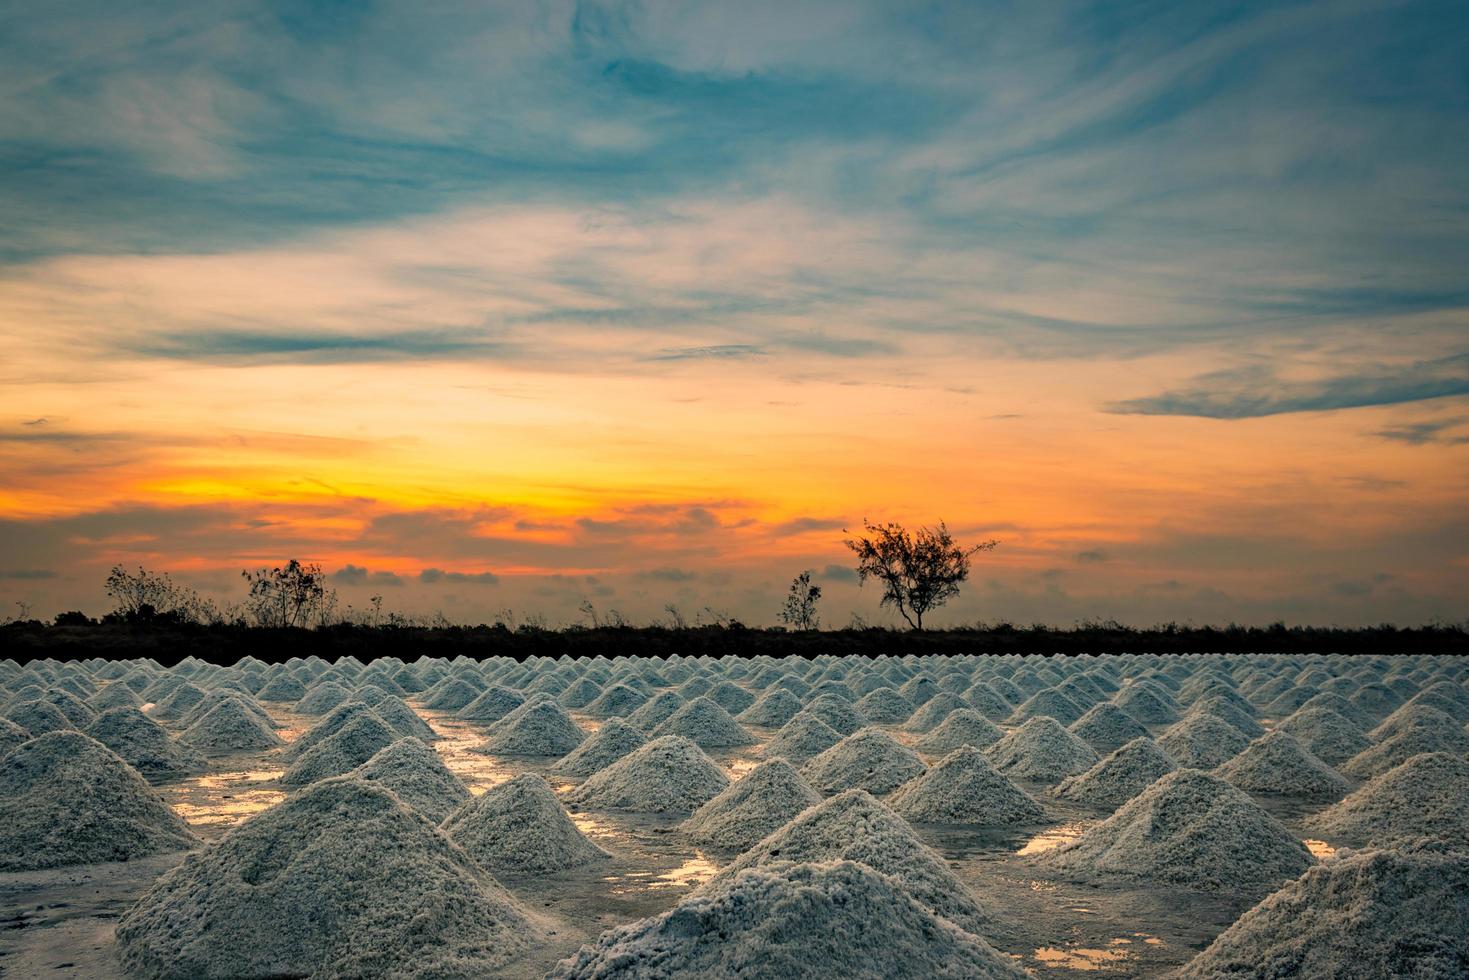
x,y
434,576
806,525
27,574
316,348
839,573
668,575
1425,433
1092,556
358,575
718,352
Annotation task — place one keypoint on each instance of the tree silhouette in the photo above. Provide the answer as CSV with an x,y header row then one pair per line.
x,y
919,571
292,595
799,610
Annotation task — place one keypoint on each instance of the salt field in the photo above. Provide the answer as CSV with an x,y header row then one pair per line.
x,y
965,816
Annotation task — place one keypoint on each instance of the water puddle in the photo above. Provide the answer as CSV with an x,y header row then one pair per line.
x,y
593,827
694,871
1115,955
1319,849
456,745
224,799
739,768
1054,837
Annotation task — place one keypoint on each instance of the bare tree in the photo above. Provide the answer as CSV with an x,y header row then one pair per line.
x,y
292,595
148,595
799,611
919,571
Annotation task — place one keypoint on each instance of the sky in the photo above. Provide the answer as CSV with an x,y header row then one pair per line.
x,y
516,306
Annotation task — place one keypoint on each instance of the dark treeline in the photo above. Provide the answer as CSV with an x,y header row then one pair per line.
x,y
225,643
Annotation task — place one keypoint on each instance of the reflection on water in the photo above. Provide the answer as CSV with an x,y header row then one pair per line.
x,y
456,745
1319,849
238,797
694,871
225,780
1117,952
593,827
738,768
1054,837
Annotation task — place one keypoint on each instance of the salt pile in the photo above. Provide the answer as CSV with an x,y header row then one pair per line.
x,y
768,797
659,709
335,720
801,738
832,919
535,728
492,704
1380,914
1106,727
519,827
706,724
403,719
1147,703
730,696
144,744
1229,713
884,706
11,735
1411,717
339,880
283,688
964,788
230,726
1189,829
355,743
1119,777
1049,703
1042,751
617,700
184,699
39,717
1277,763
1326,734
450,694
70,706
418,776
836,712
934,711
1425,797
988,701
963,727
581,693
774,709
66,799
114,696
668,775
871,760
856,827
323,698
614,740
1202,742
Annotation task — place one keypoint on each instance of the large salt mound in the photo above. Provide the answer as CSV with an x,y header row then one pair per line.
x,y
767,798
614,740
419,777
668,775
185,698
1043,751
1202,742
323,698
1425,797
1277,763
342,879
493,703
283,688
145,745
774,709
934,711
403,719
801,738
67,799
353,744
114,696
450,694
618,700
230,726
834,919
964,788
1190,829
706,724
1119,777
11,735
1326,734
963,727
535,728
1147,704
856,827
1411,717
1049,703
1106,727
520,827
39,717
656,711
837,713
1379,914
870,759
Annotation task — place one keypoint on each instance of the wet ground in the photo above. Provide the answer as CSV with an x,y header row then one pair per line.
x,y
59,923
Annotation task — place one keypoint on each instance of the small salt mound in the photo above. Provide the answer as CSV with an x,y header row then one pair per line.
x,y
1326,734
144,744
833,919
871,760
963,727
730,696
39,717
1119,777
706,724
1043,751
1410,717
323,698
535,728
520,827
1106,727
229,726
494,703
767,798
114,696
774,709
614,740
580,693
1379,914
1422,798
1202,742
357,742
934,711
283,688
856,827
988,701
1230,714
660,708
1277,763
1147,704
1049,703
450,694
11,735
75,710
885,706
214,699
403,719
964,788
340,880
184,699
801,738
668,775
837,713
618,700
419,777
1189,829
334,721
67,799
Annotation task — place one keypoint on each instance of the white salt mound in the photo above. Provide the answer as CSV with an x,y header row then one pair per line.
x,y
1399,748
340,880
1119,777
11,735
668,775
230,726
856,827
768,797
494,703
964,788
836,919
67,799
801,738
357,742
1043,751
323,698
1106,727
419,777
871,759
1277,763
403,719
836,712
706,724
773,709
1326,734
963,727
1189,829
145,745
1202,742
535,728
616,739
1425,797
520,827
1379,914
